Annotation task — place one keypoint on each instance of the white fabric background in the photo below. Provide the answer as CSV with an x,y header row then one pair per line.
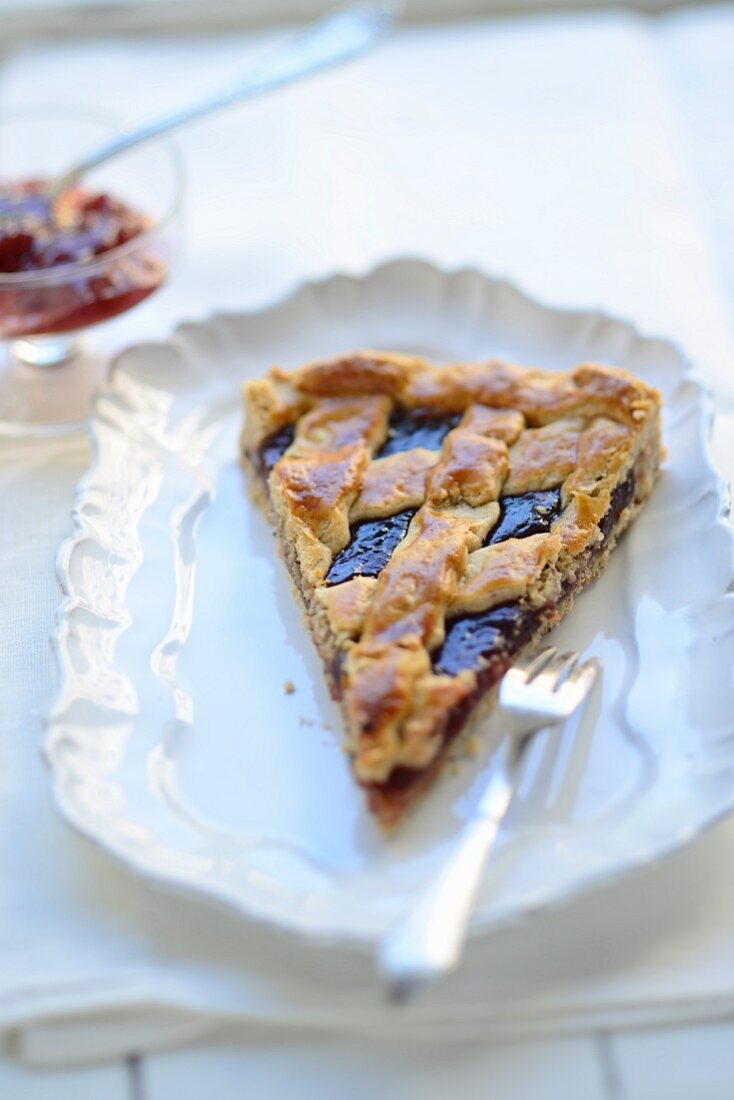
x,y
590,158
84,17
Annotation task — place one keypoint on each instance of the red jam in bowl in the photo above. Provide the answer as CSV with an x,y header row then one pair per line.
x,y
84,227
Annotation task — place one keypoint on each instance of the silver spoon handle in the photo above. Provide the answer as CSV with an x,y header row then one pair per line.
x,y
338,37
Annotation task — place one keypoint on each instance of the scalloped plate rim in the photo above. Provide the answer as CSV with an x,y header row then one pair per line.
x,y
178,882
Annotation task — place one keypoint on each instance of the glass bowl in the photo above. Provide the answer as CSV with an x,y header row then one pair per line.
x,y
47,372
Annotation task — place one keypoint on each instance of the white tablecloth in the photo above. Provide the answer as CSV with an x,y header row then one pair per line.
x,y
589,158
85,17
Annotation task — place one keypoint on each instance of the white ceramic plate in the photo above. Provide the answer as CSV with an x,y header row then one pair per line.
x,y
173,742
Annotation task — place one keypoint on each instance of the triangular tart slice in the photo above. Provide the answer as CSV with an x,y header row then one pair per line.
x,y
437,521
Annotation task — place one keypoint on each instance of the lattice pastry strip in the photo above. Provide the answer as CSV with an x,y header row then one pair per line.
x,y
437,520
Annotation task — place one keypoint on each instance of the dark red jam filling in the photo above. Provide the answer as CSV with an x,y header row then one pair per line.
x,y
84,226
470,640
622,495
473,641
407,430
273,448
371,547
527,514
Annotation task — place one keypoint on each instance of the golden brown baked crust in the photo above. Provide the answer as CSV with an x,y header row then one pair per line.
x,y
514,431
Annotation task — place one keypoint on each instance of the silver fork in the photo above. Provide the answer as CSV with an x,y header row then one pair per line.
x,y
540,691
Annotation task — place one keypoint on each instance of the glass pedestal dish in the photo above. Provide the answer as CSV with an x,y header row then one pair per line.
x,y
49,369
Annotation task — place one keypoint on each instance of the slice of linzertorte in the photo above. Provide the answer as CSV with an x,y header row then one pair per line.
x,y
437,521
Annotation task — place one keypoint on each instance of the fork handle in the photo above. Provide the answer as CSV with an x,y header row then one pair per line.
x,y
428,942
